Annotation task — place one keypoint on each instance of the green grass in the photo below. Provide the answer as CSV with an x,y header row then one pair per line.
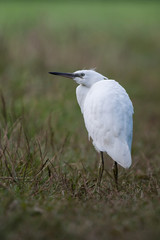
x,y
48,168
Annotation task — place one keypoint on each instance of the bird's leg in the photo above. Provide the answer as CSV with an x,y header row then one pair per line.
x,y
100,169
115,172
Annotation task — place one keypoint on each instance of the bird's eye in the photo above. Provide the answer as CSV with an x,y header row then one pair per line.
x,y
82,74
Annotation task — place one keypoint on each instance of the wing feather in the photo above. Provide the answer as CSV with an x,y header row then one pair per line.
x,y
108,114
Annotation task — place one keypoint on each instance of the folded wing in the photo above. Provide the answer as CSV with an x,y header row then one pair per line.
x,y
108,114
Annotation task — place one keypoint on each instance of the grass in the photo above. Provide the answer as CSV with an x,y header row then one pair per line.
x,y
48,168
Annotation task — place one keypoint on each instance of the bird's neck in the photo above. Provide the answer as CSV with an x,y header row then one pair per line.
x,y
81,93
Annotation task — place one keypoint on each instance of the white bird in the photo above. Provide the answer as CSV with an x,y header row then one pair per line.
x,y
108,116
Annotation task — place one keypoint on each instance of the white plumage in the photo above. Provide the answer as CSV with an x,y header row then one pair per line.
x,y
107,111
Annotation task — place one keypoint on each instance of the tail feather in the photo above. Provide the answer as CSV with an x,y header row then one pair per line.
x,y
120,153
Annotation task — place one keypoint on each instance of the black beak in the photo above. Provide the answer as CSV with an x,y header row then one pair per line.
x,y
67,75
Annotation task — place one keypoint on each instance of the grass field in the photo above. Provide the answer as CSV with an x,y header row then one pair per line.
x,y
48,169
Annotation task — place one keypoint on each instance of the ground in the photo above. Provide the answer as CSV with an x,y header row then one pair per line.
x,y
48,168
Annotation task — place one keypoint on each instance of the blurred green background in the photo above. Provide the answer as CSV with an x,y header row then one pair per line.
x,y
121,39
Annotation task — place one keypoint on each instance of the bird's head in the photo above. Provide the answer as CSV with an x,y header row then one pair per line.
x,y
84,77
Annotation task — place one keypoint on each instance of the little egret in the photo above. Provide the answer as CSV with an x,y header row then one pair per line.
x,y
107,111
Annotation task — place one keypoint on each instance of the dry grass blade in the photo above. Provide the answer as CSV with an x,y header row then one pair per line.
x,y
4,110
